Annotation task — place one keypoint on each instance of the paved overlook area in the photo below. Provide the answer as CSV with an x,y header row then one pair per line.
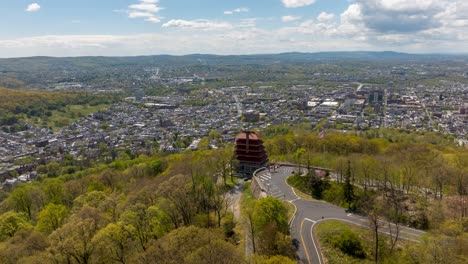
x,y
309,213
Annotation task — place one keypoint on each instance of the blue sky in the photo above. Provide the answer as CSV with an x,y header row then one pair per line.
x,y
142,27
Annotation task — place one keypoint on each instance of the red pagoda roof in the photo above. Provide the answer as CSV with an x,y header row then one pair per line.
x,y
251,135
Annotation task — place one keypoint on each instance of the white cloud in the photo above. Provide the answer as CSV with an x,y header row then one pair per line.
x,y
324,17
198,24
247,22
146,9
237,10
153,20
364,25
418,23
137,14
34,7
290,18
297,3
397,16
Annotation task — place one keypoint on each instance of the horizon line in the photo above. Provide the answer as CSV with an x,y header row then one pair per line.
x,y
246,54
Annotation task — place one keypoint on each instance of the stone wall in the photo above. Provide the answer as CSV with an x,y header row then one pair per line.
x,y
256,186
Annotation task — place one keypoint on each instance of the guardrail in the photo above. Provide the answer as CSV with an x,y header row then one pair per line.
x,y
303,166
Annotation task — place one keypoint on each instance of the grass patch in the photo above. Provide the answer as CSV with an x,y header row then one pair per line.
x,y
346,243
300,185
291,209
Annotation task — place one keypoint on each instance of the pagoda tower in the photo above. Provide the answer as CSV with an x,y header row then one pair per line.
x,y
250,153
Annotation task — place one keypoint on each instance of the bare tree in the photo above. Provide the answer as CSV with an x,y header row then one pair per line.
x,y
221,203
375,226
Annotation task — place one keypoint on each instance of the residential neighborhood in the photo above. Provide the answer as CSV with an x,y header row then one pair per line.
x,y
176,123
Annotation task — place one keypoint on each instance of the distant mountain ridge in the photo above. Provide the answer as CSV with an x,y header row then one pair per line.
x,y
191,59
125,72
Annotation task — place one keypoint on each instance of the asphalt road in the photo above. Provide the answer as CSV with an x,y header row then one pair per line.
x,y
309,213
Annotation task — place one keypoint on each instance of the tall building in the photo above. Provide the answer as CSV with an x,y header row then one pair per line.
x,y
250,153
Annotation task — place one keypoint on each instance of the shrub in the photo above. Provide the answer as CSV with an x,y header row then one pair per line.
x,y
348,242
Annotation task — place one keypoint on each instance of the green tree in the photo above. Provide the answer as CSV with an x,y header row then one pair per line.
x,y
114,243
53,169
146,223
271,210
11,222
51,217
53,189
317,184
73,241
26,198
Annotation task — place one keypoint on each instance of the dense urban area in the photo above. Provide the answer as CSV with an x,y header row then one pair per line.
x,y
137,153
188,111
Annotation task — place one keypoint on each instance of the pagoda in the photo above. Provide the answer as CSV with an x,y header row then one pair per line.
x,y
250,153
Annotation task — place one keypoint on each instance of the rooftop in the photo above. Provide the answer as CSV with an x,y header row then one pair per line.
x,y
249,134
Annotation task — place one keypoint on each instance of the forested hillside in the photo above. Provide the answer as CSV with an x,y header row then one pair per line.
x,y
406,178
37,107
179,208
160,209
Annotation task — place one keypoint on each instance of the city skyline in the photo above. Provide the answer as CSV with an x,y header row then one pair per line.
x,y
147,27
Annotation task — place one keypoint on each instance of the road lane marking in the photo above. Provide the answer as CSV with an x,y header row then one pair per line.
x,y
303,243
310,220
319,254
365,227
292,201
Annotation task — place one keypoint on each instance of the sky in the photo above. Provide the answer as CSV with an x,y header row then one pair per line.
x,y
177,27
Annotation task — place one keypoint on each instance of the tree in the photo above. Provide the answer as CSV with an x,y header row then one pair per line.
x,y
271,210
184,245
298,158
317,184
367,168
156,167
114,243
54,191
51,217
270,225
251,227
26,198
73,241
145,223
53,169
221,159
216,251
374,210
11,222
348,189
26,243
220,203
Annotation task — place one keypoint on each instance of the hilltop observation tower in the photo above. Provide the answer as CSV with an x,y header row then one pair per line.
x,y
250,153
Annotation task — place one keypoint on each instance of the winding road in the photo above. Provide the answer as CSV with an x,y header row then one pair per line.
x,y
309,213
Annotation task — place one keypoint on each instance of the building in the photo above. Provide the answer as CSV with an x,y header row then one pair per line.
x,y
250,153
251,116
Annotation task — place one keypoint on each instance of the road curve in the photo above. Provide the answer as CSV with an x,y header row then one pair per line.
x,y
309,213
